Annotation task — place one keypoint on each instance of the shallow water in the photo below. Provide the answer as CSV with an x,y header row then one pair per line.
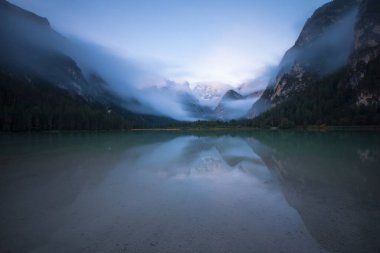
x,y
190,192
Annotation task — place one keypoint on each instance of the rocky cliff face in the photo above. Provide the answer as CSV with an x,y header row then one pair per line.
x,y
364,65
340,34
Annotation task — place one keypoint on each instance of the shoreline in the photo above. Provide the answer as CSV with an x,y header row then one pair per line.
x,y
309,128
216,129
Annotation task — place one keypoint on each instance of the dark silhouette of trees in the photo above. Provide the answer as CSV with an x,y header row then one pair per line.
x,y
43,106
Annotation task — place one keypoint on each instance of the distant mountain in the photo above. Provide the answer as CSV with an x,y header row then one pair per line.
x,y
332,73
43,88
208,102
208,91
232,95
233,105
195,109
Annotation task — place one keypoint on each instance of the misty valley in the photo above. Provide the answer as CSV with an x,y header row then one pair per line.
x,y
329,77
189,126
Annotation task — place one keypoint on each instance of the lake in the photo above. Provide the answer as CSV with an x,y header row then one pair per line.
x,y
254,191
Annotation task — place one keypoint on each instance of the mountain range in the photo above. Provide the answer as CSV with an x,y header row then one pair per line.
x,y
331,76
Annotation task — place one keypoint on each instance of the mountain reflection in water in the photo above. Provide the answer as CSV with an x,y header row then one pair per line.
x,y
202,192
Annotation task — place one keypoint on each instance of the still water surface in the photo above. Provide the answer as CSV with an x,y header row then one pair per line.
x,y
190,192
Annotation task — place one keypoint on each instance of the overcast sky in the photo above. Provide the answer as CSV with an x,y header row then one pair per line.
x,y
226,41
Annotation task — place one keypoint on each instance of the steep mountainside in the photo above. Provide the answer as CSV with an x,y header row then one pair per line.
x,y
331,74
364,65
30,47
43,88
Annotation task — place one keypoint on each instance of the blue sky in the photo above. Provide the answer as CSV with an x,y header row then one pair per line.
x,y
224,41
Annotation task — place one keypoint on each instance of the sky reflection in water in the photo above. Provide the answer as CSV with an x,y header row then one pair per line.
x,y
159,192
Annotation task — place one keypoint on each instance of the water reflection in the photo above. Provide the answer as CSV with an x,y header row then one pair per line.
x,y
164,192
332,179
196,157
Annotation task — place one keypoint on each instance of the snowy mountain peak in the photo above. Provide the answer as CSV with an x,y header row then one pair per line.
x,y
209,91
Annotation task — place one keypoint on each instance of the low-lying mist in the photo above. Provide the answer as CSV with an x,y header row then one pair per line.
x,y
131,80
29,44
